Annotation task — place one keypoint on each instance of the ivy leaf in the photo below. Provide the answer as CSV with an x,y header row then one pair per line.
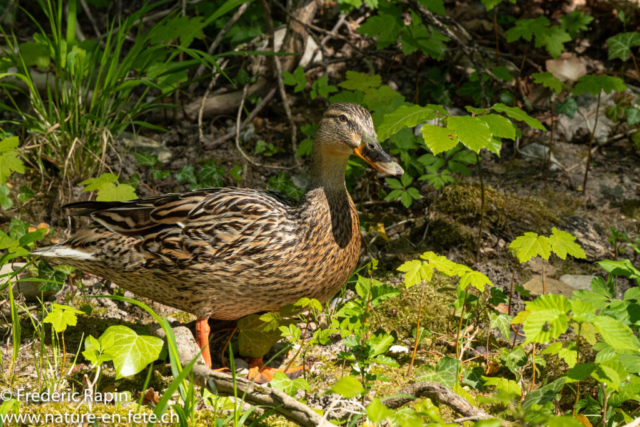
x,y
116,193
548,80
620,45
502,322
347,387
503,384
211,175
595,84
438,139
360,81
472,132
553,39
92,184
615,333
530,245
186,174
563,243
131,352
144,159
385,26
406,116
568,107
544,394
575,22
500,127
253,340
283,383
633,115
517,114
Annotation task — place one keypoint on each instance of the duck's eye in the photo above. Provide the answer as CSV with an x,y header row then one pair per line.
x,y
343,118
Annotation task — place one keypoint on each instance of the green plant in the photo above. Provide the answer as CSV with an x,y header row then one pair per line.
x,y
109,190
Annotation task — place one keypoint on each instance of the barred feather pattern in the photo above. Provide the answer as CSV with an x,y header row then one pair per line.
x,y
222,253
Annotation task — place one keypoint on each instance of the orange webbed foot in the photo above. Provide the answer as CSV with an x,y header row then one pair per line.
x,y
262,374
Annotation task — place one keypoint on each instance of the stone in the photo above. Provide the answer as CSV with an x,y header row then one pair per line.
x,y
538,152
30,290
187,347
552,286
536,264
587,237
242,367
398,349
148,145
577,281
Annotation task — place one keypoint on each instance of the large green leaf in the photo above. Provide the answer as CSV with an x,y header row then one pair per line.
x,y
474,278
405,116
360,81
530,245
62,316
283,383
616,334
620,45
548,80
415,272
517,114
500,126
472,131
131,352
544,394
595,84
563,243
253,340
502,322
111,192
544,325
347,387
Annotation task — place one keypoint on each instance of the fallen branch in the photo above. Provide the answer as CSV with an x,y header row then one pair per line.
x,y
438,394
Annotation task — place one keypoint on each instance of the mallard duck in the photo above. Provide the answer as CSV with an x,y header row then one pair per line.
x,y
225,253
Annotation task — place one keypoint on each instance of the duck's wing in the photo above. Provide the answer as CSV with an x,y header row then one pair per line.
x,y
190,229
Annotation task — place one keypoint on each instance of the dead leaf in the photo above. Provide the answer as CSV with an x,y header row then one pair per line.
x,y
583,419
150,396
567,68
383,233
492,368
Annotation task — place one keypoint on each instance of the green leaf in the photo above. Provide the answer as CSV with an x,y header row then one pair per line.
x,y
620,45
503,384
440,263
526,28
211,175
563,243
181,28
253,340
415,272
360,81
548,80
406,116
131,352
380,343
386,27
436,6
568,107
575,22
475,279
582,311
438,139
472,131
296,79
35,53
144,159
500,126
544,325
446,372
321,88
633,115
283,383
530,245
502,322
9,162
61,317
544,394
5,202
9,144
595,84
517,114
579,372
611,372
549,302
116,193
347,387
92,184
377,412
186,174
553,39
616,333
502,73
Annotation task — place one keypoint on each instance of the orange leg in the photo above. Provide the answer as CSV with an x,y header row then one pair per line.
x,y
202,338
263,373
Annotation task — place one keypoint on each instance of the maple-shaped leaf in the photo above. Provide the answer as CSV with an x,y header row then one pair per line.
x,y
526,28
440,263
62,316
9,162
92,184
595,84
553,39
548,80
385,26
575,22
415,272
530,245
563,243
296,79
111,192
620,45
179,27
360,81
475,279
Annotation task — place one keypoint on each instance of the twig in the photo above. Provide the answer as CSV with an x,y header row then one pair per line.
x,y
593,132
86,9
216,42
245,155
277,70
204,99
634,423
482,207
438,394
415,347
248,120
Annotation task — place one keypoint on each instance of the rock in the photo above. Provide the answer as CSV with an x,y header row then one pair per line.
x,y
587,236
398,349
552,286
536,264
538,152
30,290
577,281
147,145
242,367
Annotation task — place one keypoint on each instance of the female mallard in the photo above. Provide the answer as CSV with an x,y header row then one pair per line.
x,y
226,253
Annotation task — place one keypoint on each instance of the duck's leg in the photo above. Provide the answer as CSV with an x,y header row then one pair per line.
x,y
263,373
202,338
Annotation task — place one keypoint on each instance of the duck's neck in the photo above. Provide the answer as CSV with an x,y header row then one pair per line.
x,y
327,172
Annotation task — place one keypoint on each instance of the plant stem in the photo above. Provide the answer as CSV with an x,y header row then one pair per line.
x,y
486,372
464,302
415,346
543,277
533,361
635,64
577,361
604,407
482,201
593,132
304,337
517,85
495,30
553,123
513,276
64,355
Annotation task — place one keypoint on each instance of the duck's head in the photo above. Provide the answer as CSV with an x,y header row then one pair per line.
x,y
347,129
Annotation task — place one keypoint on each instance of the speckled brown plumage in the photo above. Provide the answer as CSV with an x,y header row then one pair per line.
x,y
228,252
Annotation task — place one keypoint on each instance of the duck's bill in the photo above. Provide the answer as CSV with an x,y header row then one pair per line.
x,y
377,158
